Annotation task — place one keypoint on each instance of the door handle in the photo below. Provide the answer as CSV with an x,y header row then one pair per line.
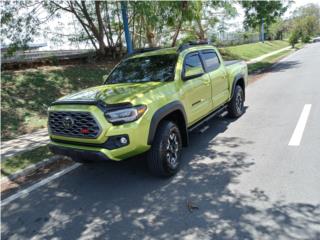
x,y
197,102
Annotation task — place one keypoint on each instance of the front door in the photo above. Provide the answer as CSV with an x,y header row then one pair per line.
x,y
196,88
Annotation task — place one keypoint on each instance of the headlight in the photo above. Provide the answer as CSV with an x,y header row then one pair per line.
x,y
125,115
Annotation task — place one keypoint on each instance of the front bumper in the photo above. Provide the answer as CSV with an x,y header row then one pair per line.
x,y
77,154
95,152
137,133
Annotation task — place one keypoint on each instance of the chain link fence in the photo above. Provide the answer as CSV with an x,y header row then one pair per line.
x,y
234,38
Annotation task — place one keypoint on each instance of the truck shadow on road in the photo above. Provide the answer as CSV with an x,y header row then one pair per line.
x,y
281,66
284,65
122,201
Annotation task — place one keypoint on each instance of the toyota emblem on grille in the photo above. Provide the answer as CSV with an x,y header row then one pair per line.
x,y
68,122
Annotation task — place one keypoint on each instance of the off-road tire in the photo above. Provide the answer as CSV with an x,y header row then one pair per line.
x,y
236,105
166,147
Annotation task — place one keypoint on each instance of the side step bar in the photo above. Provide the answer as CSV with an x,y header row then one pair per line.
x,y
207,118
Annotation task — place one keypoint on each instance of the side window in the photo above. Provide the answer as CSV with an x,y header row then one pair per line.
x,y
192,66
211,60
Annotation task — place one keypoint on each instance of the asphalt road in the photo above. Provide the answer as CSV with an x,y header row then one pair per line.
x,y
239,180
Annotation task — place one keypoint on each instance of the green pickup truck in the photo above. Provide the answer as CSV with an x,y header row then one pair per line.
x,y
148,104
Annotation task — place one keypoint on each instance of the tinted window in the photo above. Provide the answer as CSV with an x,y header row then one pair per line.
x,y
159,68
211,60
192,65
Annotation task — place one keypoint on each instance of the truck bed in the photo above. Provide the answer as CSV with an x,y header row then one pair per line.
x,y
228,63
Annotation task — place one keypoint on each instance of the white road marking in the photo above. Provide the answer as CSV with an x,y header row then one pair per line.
x,y
39,184
298,131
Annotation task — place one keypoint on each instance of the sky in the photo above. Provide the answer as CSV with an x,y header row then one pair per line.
x,y
298,3
67,18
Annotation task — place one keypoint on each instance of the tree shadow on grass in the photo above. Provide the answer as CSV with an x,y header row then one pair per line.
x,y
122,201
27,94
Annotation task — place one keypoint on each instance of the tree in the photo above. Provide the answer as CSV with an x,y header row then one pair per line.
x,y
306,20
178,13
260,13
294,38
160,19
100,21
95,19
151,23
278,29
206,17
19,23
305,23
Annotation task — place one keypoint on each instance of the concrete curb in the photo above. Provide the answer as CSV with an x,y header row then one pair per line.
x,y
31,168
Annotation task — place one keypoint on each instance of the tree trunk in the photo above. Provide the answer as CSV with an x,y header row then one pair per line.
x,y
140,38
97,32
201,33
109,25
262,31
149,34
119,40
72,10
102,45
150,38
176,34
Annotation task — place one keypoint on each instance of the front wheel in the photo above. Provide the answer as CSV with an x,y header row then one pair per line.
x,y
165,153
236,105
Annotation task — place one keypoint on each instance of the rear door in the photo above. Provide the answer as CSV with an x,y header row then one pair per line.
x,y
218,77
196,87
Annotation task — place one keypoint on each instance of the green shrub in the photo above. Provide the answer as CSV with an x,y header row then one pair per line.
x,y
213,38
306,39
294,38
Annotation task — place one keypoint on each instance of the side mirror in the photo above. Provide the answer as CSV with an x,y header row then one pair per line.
x,y
192,72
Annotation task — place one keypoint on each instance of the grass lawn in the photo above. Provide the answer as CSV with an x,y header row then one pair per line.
x,y
26,94
299,45
20,161
252,50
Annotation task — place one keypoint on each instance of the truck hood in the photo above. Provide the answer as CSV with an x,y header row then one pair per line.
x,y
112,93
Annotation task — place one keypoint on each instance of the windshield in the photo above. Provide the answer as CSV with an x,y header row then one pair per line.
x,y
159,68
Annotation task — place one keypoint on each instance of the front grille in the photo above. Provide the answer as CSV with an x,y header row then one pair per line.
x,y
73,124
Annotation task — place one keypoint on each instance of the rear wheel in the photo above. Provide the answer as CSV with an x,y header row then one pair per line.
x,y
165,153
236,105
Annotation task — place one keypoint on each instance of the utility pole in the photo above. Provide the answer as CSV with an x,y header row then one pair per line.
x,y
262,30
126,26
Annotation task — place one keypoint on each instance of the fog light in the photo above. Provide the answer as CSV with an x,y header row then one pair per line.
x,y
123,140
117,141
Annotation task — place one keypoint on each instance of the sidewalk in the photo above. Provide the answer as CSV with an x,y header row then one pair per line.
x,y
24,143
258,59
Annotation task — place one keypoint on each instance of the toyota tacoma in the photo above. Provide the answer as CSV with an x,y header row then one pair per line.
x,y
148,104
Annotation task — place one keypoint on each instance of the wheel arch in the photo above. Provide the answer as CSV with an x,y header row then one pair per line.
x,y
175,112
238,80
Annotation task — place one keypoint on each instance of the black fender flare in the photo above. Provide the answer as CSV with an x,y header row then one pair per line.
x,y
161,113
235,81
